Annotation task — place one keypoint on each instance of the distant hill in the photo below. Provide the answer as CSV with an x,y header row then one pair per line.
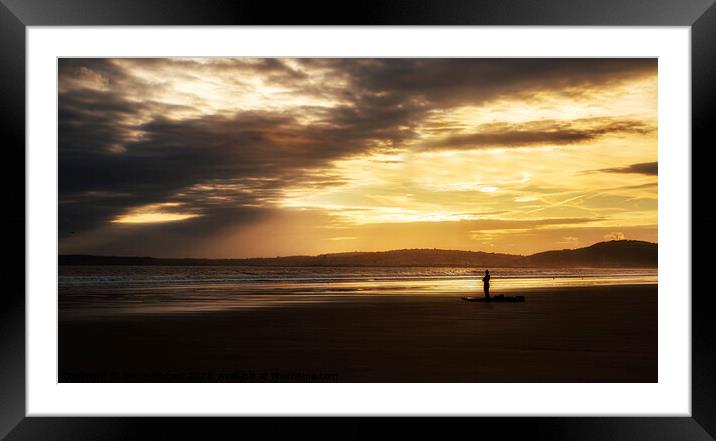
x,y
617,253
414,257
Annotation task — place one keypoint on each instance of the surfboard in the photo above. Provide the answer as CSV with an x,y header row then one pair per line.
x,y
496,299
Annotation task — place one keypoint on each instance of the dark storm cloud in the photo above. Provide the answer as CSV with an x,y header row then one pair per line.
x,y
73,71
644,168
544,132
244,159
461,80
119,150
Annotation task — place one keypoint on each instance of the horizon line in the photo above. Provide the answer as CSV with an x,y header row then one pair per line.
x,y
356,251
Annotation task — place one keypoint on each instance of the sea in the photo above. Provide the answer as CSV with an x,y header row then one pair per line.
x,y
108,290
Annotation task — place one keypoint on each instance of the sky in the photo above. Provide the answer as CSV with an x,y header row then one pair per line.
x,y
262,157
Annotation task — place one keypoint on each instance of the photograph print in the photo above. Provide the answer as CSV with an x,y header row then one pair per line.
x,y
473,220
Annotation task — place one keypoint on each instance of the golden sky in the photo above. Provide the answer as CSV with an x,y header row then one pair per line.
x,y
265,157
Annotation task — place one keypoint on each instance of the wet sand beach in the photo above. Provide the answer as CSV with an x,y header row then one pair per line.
x,y
560,334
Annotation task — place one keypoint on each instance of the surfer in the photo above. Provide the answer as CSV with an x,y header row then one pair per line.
x,y
486,284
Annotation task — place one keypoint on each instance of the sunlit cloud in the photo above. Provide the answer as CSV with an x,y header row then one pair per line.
x,y
617,235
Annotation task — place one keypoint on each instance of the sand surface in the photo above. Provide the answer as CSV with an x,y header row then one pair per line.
x,y
585,334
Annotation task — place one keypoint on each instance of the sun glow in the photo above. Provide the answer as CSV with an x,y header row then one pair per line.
x,y
148,218
154,213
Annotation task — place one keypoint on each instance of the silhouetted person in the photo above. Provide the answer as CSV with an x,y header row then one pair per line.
x,y
486,284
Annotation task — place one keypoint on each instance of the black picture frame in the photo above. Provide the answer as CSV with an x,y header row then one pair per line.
x,y
16,15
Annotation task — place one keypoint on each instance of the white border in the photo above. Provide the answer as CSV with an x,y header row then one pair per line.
x,y
670,396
